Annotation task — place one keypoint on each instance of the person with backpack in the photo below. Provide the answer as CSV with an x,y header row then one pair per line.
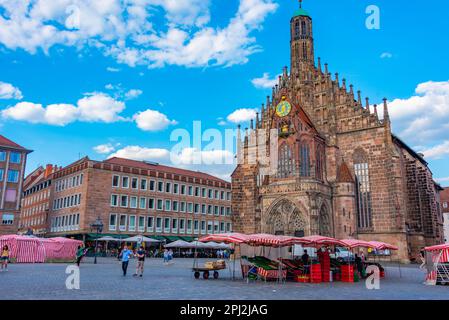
x,y
4,258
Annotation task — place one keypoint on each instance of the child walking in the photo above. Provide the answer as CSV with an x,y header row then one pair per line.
x,y
4,258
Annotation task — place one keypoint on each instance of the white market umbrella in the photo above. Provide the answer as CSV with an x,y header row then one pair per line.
x,y
107,239
179,244
140,239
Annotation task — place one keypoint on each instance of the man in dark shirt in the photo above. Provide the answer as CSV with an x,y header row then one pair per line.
x,y
305,261
140,262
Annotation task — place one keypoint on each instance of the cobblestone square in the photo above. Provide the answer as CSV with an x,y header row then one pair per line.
x,y
176,282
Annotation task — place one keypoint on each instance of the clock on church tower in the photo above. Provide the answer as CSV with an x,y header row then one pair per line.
x,y
284,108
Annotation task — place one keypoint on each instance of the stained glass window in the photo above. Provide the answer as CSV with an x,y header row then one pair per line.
x,y
286,164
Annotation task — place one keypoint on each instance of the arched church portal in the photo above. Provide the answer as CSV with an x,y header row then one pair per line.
x,y
285,219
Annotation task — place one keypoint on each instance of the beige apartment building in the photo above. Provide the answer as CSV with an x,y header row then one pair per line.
x,y
135,197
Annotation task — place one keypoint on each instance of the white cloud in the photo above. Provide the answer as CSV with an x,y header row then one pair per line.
x,y
133,94
151,120
111,69
8,91
438,151
265,82
442,180
124,29
386,55
193,156
104,148
422,117
242,115
142,154
97,107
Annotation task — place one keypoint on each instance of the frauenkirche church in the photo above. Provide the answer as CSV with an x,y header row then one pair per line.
x,y
340,170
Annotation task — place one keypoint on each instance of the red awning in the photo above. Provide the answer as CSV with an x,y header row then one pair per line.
x,y
383,246
225,238
356,243
274,241
321,240
438,247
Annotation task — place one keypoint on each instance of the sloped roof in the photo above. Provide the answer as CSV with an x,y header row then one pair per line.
x,y
158,167
344,174
5,142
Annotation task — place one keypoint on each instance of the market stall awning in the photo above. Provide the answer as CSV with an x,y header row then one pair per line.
x,y
264,239
383,246
321,240
107,238
172,238
438,247
112,235
225,238
356,243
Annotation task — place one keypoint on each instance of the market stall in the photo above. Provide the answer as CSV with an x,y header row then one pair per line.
x,y
29,249
438,271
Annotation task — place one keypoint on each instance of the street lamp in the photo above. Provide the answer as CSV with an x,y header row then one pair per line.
x,y
98,226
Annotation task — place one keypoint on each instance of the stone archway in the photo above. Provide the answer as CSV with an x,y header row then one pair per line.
x,y
284,218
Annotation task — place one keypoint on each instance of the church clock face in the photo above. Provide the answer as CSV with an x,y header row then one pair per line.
x,y
283,109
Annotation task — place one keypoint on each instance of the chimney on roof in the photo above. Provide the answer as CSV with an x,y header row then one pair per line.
x,y
48,170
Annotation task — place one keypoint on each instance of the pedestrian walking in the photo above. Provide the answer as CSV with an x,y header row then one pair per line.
x,y
166,256
125,254
140,262
80,253
4,258
170,255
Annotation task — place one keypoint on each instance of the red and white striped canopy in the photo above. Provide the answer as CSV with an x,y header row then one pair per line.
x,y
321,240
225,238
438,247
356,243
383,246
264,239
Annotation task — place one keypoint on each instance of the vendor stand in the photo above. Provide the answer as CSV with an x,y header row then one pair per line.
x,y
438,273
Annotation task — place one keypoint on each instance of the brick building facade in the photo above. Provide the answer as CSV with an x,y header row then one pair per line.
x,y
12,169
444,199
340,170
134,197
36,201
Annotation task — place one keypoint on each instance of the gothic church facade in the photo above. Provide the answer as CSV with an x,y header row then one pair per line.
x,y
340,170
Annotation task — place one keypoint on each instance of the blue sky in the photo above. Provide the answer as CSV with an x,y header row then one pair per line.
x,y
148,69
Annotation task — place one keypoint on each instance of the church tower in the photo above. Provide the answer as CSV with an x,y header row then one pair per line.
x,y
301,45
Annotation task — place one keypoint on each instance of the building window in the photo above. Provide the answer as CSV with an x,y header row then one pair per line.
x,y
122,225
364,204
15,157
7,219
143,184
150,203
160,186
141,224
168,187
445,205
158,224
13,176
190,207
152,183
197,191
167,205
160,204
190,191
112,222
286,164
132,223
134,183
189,226
125,182
133,202
150,224
196,208
2,155
167,225
203,227
143,203
175,206
196,226
182,225
175,188
2,173
183,189
305,160
182,207
124,201
174,225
